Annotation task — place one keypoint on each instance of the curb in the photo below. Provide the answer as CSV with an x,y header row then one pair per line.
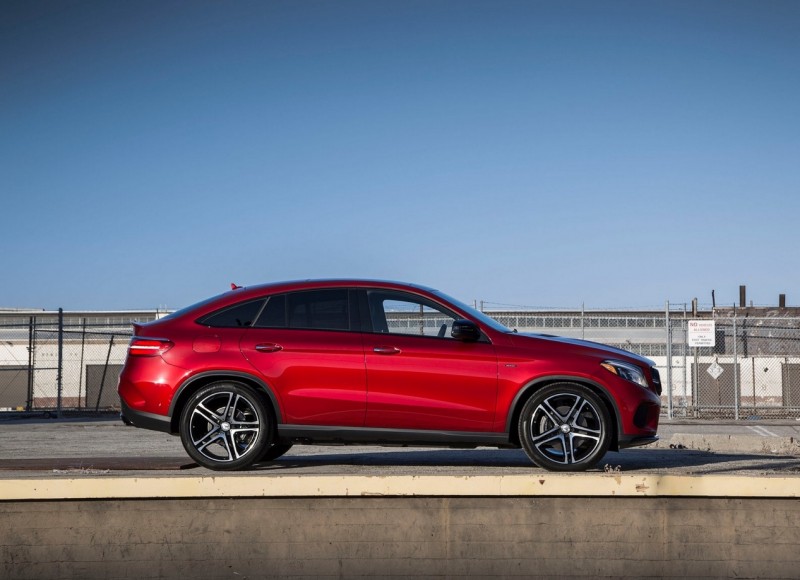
x,y
548,485
731,443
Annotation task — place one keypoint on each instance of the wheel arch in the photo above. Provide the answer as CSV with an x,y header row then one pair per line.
x,y
533,386
200,380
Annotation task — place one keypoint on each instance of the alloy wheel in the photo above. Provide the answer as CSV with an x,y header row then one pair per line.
x,y
224,427
565,428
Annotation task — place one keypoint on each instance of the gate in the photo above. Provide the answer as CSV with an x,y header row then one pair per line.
x,y
752,371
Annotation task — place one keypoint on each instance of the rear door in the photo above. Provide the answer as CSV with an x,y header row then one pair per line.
x,y
304,345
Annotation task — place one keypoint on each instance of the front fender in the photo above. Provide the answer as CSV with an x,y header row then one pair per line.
x,y
529,388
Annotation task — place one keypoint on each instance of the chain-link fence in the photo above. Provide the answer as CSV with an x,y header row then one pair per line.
x,y
68,366
752,369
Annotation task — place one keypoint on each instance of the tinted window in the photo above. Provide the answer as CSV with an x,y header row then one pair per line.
x,y
319,309
274,313
238,315
399,313
188,309
476,314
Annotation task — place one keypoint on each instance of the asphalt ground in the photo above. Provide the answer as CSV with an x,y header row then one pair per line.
x,y
38,447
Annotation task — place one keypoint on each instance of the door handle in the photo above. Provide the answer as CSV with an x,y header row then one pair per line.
x,y
268,347
386,350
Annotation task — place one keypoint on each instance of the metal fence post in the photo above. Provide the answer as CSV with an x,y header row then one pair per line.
x,y
583,321
80,376
31,346
669,361
684,328
60,371
735,372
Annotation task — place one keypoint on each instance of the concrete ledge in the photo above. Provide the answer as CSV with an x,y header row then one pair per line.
x,y
547,485
731,443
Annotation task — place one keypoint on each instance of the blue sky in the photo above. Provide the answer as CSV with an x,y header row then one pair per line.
x,y
617,154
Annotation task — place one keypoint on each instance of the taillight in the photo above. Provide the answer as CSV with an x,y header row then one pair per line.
x,y
148,346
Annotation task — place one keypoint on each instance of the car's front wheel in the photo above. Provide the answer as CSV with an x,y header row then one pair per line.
x,y
565,427
225,426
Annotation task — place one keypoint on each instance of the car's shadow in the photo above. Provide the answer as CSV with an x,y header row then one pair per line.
x,y
685,461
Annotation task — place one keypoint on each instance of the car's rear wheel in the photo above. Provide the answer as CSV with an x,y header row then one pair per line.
x,y
225,426
565,427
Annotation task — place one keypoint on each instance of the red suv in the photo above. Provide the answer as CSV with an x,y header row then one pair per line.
x,y
245,375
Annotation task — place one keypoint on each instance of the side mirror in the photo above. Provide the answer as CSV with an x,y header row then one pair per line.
x,y
465,330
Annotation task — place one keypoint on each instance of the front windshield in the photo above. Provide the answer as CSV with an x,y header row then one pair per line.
x,y
476,314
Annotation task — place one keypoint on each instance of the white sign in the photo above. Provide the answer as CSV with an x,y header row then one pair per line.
x,y
701,333
714,370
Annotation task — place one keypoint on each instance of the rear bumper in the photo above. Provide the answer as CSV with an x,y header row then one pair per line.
x,y
145,420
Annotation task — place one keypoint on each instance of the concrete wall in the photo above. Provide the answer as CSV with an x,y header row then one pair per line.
x,y
395,537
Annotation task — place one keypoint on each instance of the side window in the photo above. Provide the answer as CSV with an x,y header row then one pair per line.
x,y
274,313
398,313
319,309
234,316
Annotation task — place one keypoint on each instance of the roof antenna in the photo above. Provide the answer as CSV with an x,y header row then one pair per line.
x,y
234,286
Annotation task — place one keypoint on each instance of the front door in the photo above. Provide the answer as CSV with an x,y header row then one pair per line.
x,y
418,376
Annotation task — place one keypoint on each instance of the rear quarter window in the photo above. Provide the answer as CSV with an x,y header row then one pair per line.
x,y
238,315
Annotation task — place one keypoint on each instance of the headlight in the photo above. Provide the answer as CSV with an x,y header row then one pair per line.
x,y
627,371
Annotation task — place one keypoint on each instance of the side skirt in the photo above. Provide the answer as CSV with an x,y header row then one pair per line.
x,y
362,435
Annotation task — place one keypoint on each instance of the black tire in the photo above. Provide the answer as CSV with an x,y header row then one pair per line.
x,y
274,451
565,427
225,426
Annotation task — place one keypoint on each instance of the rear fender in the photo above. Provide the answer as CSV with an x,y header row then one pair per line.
x,y
195,382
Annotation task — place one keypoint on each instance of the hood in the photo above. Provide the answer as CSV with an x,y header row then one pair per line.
x,y
597,346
